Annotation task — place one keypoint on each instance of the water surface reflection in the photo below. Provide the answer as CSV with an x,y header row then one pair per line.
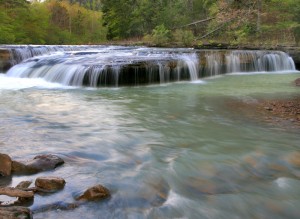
x,y
171,151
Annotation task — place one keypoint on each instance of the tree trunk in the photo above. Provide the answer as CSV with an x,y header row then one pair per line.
x,y
258,21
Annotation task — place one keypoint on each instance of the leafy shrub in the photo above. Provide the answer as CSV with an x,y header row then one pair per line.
x,y
160,35
184,37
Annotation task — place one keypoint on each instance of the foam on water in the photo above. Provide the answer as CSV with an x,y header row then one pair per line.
x,y
10,83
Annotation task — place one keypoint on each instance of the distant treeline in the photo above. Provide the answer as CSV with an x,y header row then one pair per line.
x,y
49,22
182,22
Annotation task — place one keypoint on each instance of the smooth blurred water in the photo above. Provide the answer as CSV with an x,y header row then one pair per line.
x,y
165,151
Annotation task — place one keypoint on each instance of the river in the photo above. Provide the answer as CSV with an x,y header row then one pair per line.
x,y
174,150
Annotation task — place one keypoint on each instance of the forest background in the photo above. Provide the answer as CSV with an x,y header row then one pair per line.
x,y
150,22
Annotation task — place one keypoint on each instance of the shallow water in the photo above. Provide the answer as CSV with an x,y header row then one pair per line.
x,y
164,151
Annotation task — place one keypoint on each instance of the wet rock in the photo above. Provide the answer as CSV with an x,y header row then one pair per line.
x,y
5,180
23,185
94,193
50,183
297,82
13,192
37,164
5,165
45,162
15,213
20,168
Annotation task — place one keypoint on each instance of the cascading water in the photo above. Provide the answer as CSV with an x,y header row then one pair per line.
x,y
97,66
213,63
258,61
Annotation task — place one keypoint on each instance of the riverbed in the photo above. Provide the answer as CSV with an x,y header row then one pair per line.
x,y
175,150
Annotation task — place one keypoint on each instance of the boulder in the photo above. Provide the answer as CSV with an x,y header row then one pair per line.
x,y
37,164
45,162
16,212
95,193
50,183
5,165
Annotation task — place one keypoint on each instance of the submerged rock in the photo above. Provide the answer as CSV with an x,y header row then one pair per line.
x,y
94,193
50,183
37,164
294,159
63,206
16,212
297,82
5,165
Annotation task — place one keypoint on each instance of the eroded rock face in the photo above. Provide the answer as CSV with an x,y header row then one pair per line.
x,y
50,183
94,193
16,212
37,164
5,60
5,165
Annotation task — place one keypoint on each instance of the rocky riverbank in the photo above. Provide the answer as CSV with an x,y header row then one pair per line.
x,y
23,194
283,113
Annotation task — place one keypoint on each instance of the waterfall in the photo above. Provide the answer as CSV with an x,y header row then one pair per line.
x,y
258,61
192,63
108,66
213,63
97,66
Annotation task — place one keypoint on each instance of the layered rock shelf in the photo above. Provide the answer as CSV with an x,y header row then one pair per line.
x,y
112,66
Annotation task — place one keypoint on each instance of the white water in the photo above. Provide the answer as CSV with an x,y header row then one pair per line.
x,y
9,83
97,66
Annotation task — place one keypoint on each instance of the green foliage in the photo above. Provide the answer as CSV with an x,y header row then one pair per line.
x,y
94,21
49,22
160,35
184,37
6,29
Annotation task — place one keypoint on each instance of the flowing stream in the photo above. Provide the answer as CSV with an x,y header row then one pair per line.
x,y
174,150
